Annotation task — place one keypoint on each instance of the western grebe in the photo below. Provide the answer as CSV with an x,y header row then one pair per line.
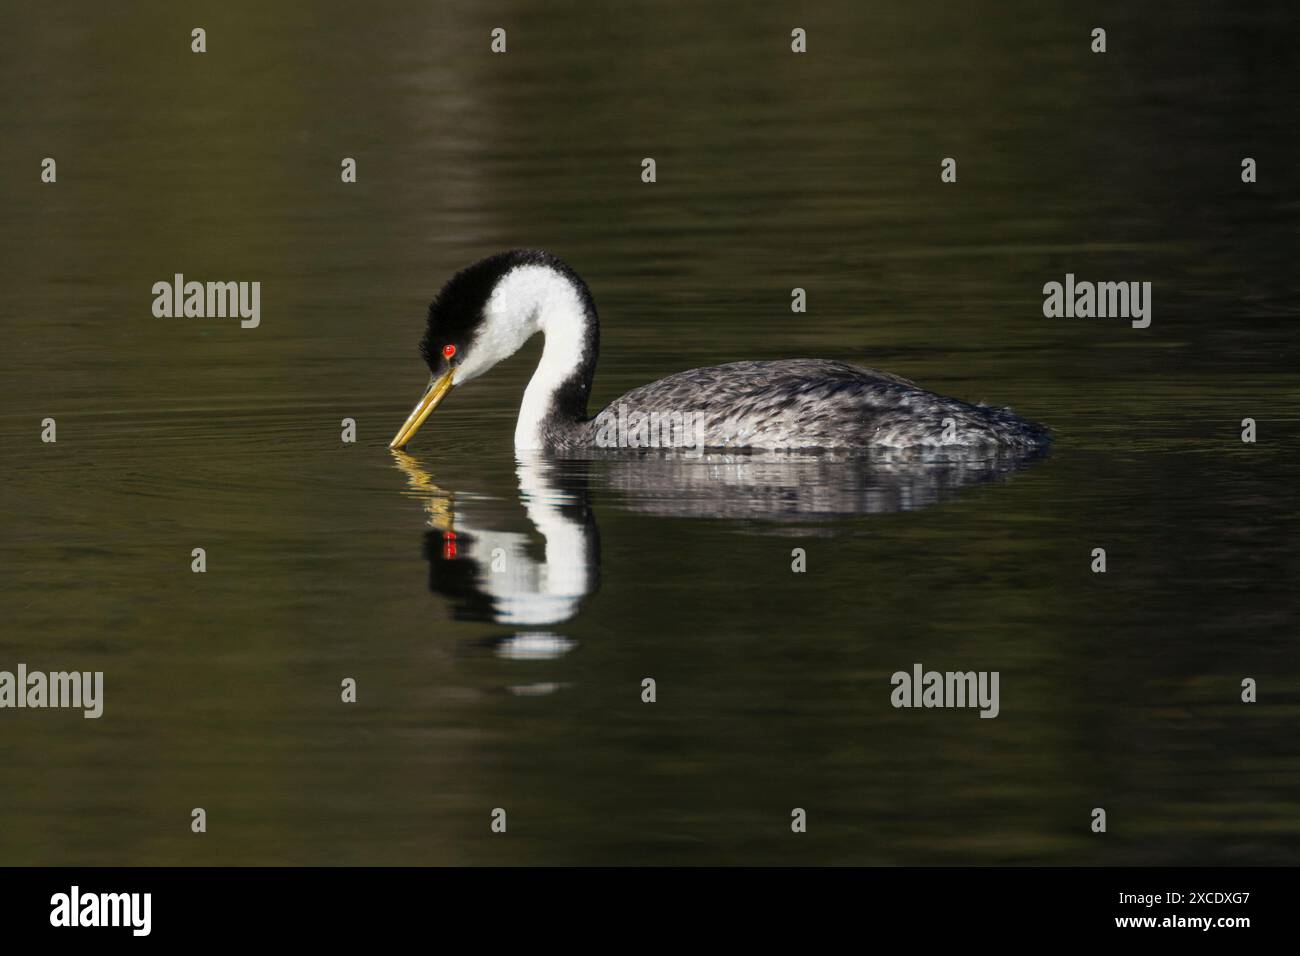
x,y
486,312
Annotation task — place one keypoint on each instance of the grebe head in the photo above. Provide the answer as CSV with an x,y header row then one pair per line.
x,y
486,312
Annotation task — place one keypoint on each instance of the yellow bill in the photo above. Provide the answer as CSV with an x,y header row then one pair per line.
x,y
431,399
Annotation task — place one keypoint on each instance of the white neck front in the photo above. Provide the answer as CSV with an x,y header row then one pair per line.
x,y
540,299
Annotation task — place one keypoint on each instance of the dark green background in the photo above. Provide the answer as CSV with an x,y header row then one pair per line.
x,y
775,170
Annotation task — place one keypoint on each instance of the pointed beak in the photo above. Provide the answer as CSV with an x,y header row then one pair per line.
x,y
431,399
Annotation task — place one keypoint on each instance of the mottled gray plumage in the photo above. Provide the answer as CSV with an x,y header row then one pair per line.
x,y
813,403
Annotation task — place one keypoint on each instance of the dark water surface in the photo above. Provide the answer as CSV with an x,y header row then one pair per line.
x,y
521,688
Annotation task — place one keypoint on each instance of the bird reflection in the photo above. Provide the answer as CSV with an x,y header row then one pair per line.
x,y
532,582
488,573
796,486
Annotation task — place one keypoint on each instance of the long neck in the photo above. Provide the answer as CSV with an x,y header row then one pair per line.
x,y
555,401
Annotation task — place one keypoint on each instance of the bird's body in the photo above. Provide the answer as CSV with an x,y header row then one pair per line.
x,y
486,312
807,403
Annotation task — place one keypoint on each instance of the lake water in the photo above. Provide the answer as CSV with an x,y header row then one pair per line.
x,y
521,688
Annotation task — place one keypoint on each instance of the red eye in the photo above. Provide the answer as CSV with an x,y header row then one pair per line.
x,y
448,351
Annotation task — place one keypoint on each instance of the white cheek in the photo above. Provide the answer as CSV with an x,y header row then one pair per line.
x,y
500,336
468,370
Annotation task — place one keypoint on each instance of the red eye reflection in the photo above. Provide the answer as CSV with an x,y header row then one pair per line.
x,y
449,540
448,351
